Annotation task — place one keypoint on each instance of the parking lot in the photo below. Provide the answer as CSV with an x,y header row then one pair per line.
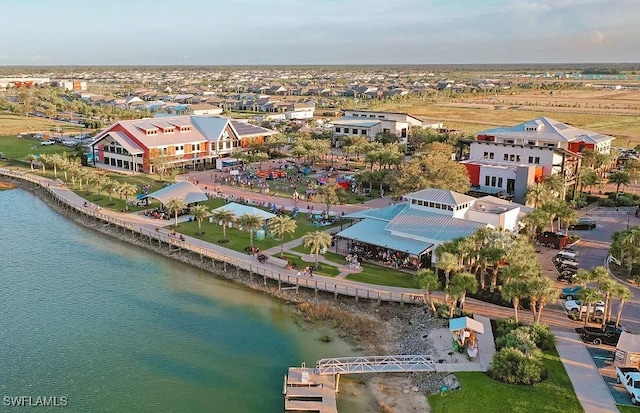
x,y
603,358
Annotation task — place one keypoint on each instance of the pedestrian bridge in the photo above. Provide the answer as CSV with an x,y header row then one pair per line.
x,y
376,364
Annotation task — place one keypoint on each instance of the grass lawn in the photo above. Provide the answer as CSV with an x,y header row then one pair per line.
x,y
379,275
15,148
480,393
327,270
14,124
628,409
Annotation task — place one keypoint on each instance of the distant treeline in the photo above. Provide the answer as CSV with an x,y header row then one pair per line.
x,y
601,71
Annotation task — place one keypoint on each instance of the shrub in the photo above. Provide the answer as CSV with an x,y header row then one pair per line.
x,y
518,338
541,335
512,366
606,202
504,326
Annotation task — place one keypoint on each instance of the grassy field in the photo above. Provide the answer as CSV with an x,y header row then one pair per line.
x,y
13,124
628,409
327,270
15,148
480,393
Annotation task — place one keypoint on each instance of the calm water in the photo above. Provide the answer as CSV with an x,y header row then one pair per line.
x,y
117,329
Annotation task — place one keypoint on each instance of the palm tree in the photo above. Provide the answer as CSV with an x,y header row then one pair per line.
x,y
111,185
464,282
31,158
555,184
126,190
175,205
534,221
541,291
567,216
537,195
513,291
428,280
607,286
316,241
224,216
493,256
74,167
200,212
100,181
589,296
623,294
447,262
282,225
250,222
619,178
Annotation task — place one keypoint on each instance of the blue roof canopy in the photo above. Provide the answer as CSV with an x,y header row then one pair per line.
x,y
372,231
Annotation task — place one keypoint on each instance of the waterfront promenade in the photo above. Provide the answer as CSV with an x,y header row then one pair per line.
x,y
152,230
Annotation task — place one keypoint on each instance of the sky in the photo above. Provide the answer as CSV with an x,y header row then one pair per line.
x,y
311,32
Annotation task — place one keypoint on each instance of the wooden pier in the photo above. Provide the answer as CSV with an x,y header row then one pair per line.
x,y
307,391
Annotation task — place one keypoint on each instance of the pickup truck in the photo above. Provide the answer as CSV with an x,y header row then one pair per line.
x,y
609,334
630,378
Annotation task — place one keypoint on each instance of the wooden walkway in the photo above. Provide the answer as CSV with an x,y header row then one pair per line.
x,y
307,391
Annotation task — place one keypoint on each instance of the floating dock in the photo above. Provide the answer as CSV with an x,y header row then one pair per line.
x,y
307,391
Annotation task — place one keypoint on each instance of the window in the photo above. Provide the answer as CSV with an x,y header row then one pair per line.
x,y
354,131
508,141
551,145
506,157
536,160
372,116
338,129
531,143
486,155
431,205
493,181
531,159
490,155
182,147
363,131
177,148
487,180
500,182
512,158
355,115
518,158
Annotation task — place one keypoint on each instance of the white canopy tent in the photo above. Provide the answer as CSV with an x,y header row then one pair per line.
x,y
181,190
239,210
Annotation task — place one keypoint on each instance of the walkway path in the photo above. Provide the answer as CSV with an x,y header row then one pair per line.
x,y
586,380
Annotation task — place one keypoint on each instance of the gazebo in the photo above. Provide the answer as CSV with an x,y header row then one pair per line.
x,y
186,191
464,334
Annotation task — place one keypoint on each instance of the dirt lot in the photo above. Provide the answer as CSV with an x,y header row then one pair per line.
x,y
11,125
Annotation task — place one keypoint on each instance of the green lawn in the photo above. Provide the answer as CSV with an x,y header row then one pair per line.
x,y
480,393
325,269
628,409
379,275
15,148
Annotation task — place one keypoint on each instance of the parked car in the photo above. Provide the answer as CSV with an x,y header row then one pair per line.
x,y
552,239
47,142
630,378
567,276
583,224
566,255
575,306
569,293
608,334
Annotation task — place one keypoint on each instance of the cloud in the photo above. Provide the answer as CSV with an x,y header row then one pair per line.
x,y
599,38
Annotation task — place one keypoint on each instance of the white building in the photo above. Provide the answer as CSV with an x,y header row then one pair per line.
x,y
298,110
370,123
508,160
75,85
431,217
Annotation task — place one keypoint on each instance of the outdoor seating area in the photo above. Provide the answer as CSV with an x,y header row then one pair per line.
x,y
384,256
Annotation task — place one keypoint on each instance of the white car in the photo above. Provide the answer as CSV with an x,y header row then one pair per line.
x,y
47,142
575,306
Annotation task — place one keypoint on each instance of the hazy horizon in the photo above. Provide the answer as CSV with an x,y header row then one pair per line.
x,y
319,32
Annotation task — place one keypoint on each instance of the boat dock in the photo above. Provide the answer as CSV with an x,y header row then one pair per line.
x,y
305,390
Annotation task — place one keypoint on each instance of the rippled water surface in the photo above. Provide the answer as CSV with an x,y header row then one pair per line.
x,y
115,328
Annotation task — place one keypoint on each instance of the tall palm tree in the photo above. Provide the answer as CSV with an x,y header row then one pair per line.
x,y
619,178
493,256
127,189
464,282
537,195
251,222
99,182
316,241
282,225
427,280
623,294
541,291
224,216
200,212
513,291
31,158
589,296
111,185
447,262
175,205
607,286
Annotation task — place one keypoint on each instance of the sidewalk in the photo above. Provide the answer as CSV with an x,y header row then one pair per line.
x,y
588,384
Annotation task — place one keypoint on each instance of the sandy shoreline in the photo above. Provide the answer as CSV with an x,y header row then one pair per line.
x,y
373,328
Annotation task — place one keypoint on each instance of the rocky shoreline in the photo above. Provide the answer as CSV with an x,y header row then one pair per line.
x,y
385,328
